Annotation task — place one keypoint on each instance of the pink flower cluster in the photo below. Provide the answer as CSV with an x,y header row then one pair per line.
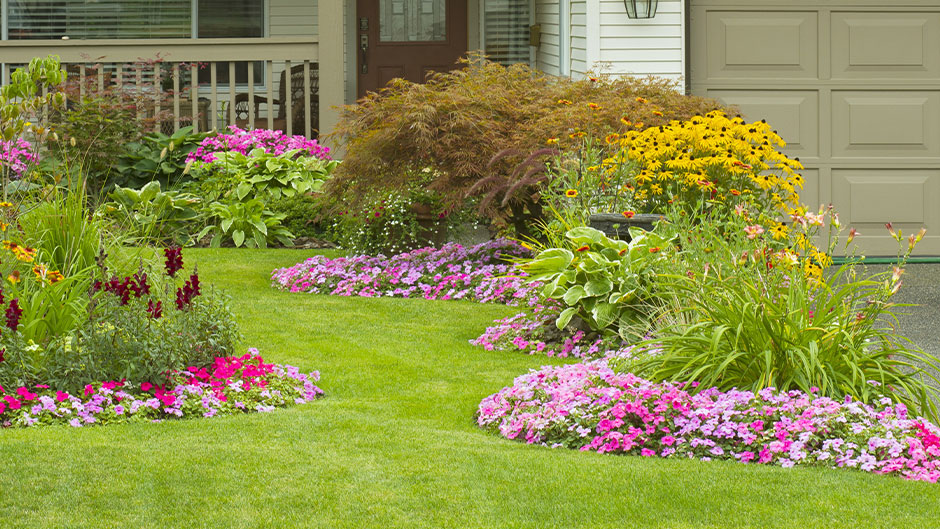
x,y
594,408
231,385
18,155
535,333
479,273
244,141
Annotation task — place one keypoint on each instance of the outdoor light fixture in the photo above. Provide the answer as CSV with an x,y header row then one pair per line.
x,y
641,8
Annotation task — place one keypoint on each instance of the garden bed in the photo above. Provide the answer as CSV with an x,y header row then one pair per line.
x,y
231,385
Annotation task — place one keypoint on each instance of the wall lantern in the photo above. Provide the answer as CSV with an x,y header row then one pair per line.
x,y
641,8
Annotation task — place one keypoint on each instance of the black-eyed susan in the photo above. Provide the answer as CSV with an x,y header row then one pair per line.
x,y
5,204
571,193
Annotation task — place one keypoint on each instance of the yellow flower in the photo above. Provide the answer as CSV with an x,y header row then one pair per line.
x,y
593,106
39,271
576,135
779,231
571,193
4,226
612,138
552,141
14,277
54,276
641,100
626,121
564,102
5,205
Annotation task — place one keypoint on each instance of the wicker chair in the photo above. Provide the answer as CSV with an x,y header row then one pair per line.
x,y
296,99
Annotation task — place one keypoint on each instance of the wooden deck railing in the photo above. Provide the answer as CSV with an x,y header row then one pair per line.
x,y
276,78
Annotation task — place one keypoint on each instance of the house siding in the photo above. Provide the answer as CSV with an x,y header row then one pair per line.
x,y
579,33
547,55
642,47
292,18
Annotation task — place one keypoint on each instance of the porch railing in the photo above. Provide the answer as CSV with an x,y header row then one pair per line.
x,y
209,83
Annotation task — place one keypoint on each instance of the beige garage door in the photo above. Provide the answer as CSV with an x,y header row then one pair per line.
x,y
852,86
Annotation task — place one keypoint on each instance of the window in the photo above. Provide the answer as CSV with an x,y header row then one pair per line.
x,y
506,31
133,19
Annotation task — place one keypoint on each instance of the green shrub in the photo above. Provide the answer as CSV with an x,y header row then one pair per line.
x,y
151,215
457,122
304,215
156,157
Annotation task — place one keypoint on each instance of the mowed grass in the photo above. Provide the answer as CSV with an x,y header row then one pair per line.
x,y
393,444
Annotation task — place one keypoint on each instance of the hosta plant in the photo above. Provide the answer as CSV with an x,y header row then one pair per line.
x,y
247,223
153,214
605,283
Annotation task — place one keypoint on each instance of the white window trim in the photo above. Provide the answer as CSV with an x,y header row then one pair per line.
x,y
564,37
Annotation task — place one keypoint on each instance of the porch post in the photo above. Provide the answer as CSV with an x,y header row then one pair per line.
x,y
331,43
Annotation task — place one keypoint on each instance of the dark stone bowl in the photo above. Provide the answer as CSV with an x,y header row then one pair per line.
x,y
616,226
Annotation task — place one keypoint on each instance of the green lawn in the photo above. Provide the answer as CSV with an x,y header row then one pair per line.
x,y
393,444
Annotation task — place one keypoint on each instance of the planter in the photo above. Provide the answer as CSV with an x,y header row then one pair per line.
x,y
433,227
616,226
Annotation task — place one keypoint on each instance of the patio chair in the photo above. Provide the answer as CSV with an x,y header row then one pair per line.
x,y
296,99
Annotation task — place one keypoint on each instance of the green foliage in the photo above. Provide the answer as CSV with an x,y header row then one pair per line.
x,y
606,283
151,214
457,122
263,175
156,157
66,237
237,189
20,102
124,342
749,313
304,214
247,223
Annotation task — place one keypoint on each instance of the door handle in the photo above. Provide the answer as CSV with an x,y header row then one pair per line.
x,y
364,46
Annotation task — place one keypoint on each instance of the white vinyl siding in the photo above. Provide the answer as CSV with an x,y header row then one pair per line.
x,y
547,55
642,47
579,60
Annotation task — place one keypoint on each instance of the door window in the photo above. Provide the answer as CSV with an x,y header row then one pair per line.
x,y
412,21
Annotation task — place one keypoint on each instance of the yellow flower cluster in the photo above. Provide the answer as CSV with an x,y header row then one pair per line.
x,y
720,157
23,253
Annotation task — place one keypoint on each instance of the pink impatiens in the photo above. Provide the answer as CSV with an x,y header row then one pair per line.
x,y
231,385
592,407
479,273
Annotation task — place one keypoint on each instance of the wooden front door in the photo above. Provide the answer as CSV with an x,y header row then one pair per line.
x,y
407,39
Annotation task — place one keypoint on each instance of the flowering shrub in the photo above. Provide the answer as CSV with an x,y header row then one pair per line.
x,y
230,385
590,407
478,273
244,141
136,327
17,155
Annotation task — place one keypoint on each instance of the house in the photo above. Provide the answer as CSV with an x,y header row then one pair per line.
x,y
852,85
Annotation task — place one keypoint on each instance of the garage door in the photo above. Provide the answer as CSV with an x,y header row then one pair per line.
x,y
852,86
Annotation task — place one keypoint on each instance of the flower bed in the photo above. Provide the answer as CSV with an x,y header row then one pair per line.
x,y
244,141
535,333
231,385
479,273
590,407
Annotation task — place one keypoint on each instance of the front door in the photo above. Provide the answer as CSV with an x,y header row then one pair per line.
x,y
407,39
